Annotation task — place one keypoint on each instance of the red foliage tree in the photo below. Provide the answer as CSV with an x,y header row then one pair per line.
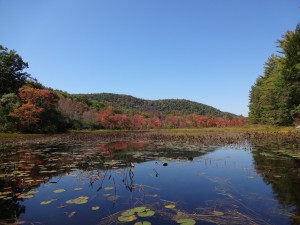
x,y
34,103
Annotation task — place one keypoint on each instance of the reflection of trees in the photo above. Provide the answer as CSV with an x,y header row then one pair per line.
x,y
25,168
284,176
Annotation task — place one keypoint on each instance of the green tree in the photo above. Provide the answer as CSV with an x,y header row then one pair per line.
x,y
12,75
275,97
8,103
290,45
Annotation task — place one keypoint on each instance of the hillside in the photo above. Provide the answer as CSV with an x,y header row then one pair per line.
x,y
165,106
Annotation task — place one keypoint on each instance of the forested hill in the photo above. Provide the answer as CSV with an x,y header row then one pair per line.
x,y
165,106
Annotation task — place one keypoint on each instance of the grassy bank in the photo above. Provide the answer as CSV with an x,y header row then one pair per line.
x,y
245,129
11,135
185,131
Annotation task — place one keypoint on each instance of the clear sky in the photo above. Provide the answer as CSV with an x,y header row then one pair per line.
x,y
209,51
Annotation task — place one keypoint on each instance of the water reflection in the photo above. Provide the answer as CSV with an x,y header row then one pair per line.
x,y
255,185
281,170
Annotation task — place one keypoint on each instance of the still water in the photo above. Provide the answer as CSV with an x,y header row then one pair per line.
x,y
149,183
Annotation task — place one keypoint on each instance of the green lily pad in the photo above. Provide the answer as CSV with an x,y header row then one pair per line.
x,y
143,223
78,189
170,206
32,192
80,200
7,198
59,191
95,208
25,196
218,213
126,219
146,213
48,202
128,212
108,188
186,221
140,209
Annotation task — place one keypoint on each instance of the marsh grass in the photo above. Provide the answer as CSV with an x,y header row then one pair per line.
x,y
244,129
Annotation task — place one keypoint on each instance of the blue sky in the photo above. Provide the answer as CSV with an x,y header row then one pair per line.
x,y
209,51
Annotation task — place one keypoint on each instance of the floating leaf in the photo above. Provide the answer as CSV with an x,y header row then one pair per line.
x,y
140,209
25,196
218,213
59,191
170,206
186,221
7,198
128,212
79,200
95,208
78,189
32,192
146,213
108,188
48,202
143,223
126,219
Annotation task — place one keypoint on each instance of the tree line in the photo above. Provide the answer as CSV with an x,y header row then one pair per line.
x,y
165,106
275,96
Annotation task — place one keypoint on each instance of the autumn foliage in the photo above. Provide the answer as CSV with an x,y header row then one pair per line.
x,y
42,110
37,111
110,120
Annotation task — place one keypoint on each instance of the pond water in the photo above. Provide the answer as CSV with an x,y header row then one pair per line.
x,y
149,183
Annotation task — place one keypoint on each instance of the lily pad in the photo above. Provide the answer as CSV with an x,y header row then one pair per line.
x,y
25,196
128,212
108,188
140,209
143,223
170,206
48,202
146,213
59,191
95,208
32,192
186,221
218,213
78,189
80,200
126,219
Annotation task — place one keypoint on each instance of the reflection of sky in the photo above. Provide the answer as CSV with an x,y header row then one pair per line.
x,y
224,174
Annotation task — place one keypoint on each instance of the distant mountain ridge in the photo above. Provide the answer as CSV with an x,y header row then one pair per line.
x,y
165,106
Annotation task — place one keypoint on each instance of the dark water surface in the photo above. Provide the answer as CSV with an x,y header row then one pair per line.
x,y
112,183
